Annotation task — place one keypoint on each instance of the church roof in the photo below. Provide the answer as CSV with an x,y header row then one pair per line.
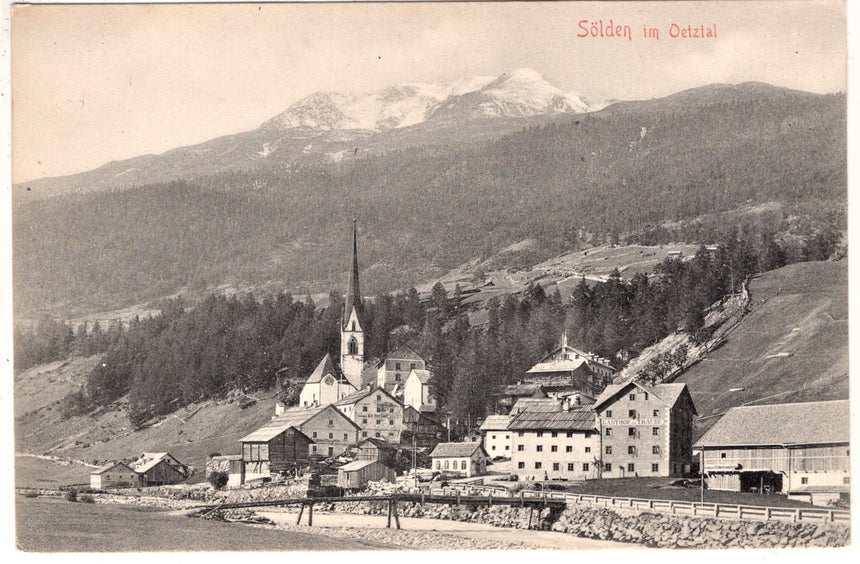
x,y
353,291
326,366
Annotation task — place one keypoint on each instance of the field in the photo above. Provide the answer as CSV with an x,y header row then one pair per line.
x,y
53,525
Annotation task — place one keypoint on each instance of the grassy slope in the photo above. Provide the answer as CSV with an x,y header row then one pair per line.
x,y
792,346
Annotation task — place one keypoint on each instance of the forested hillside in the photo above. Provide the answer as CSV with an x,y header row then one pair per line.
x,y
622,173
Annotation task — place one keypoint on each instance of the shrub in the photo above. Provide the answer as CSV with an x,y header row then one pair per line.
x,y
86,498
219,479
72,495
31,494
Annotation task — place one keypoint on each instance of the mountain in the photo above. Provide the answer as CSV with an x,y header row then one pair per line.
x,y
435,195
792,345
333,126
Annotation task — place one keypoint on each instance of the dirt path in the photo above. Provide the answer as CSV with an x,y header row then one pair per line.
x,y
436,534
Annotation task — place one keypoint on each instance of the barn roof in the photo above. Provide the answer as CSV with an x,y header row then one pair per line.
x,y
448,450
269,432
817,422
110,466
149,460
378,443
495,423
359,464
573,420
363,393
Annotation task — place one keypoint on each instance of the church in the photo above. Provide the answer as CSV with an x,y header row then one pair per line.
x,y
330,383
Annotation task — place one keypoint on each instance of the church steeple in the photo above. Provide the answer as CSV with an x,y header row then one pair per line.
x,y
353,292
352,331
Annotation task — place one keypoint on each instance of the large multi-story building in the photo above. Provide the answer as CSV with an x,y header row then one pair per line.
x,y
496,435
331,431
555,445
378,413
645,430
567,369
394,368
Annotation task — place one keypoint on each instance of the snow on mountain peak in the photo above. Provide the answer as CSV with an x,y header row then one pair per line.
x,y
522,92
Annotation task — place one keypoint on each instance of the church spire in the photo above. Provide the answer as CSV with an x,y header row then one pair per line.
x,y
353,292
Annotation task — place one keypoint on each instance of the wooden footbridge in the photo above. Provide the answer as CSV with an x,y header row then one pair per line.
x,y
532,502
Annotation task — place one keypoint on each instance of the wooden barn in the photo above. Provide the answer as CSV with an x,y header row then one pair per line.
x,y
159,469
376,449
113,475
356,474
274,449
801,449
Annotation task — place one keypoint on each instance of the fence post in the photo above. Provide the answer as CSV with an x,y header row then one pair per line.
x,y
740,511
767,513
797,515
651,504
832,516
672,507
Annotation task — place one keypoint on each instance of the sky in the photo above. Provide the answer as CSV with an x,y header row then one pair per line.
x,y
91,84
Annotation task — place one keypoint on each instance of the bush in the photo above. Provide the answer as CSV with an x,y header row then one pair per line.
x,y
72,495
218,479
86,498
31,494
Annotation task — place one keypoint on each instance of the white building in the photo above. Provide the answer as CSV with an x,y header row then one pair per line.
x,y
460,459
497,437
416,391
561,444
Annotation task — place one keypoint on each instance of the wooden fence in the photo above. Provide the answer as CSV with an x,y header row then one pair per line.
x,y
669,507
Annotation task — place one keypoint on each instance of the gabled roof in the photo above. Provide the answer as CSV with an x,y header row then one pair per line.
x,y
495,423
817,422
449,450
526,390
359,464
378,443
149,460
110,466
325,366
403,352
574,420
667,393
297,416
422,375
363,393
537,404
269,432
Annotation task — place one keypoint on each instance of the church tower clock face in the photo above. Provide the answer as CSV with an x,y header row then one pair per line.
x,y
328,380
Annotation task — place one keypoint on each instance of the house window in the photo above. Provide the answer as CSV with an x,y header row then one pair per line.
x,y
379,422
632,397
655,467
540,448
631,449
570,466
364,421
538,465
391,421
655,449
554,434
364,433
507,447
493,436
607,467
396,366
585,467
609,413
353,346
568,448
570,434
314,435
330,422
631,414
609,449
438,465
446,465
656,413
493,447
804,480
631,467
609,431
555,467
364,408
331,451
411,366
540,434
462,465
645,396
519,433
331,435
521,448
314,448
553,448
631,432
846,480
377,434
397,377
521,465
655,431
587,449
722,455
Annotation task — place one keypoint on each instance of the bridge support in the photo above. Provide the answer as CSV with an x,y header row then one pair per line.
x,y
301,510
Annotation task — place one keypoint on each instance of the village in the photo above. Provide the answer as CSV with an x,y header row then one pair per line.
x,y
566,420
